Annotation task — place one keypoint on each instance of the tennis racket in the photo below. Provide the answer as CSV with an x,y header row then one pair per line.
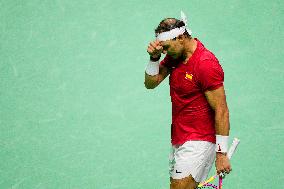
x,y
209,183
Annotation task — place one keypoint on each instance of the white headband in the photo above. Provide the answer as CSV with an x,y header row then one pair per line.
x,y
175,32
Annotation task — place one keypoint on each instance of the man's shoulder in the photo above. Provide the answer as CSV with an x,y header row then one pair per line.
x,y
207,61
206,54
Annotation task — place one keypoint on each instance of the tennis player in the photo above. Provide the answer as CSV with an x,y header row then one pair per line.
x,y
200,115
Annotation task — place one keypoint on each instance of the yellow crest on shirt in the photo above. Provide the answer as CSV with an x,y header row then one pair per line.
x,y
188,76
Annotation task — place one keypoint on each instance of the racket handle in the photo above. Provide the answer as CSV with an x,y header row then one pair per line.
x,y
233,147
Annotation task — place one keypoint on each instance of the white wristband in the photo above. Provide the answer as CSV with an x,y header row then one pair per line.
x,y
152,68
222,143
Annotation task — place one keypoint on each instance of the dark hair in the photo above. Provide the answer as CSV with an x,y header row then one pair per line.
x,y
168,24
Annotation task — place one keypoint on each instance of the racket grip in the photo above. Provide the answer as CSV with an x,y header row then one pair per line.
x,y
233,147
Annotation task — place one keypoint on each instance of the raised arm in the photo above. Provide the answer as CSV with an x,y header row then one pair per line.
x,y
153,81
155,73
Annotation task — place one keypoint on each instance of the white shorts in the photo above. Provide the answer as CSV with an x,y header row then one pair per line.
x,y
193,158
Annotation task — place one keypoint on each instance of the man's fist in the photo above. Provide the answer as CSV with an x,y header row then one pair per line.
x,y
222,164
155,49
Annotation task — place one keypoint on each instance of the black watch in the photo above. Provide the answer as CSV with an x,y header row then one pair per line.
x,y
155,59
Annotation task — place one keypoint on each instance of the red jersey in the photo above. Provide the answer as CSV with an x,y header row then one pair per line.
x,y
192,116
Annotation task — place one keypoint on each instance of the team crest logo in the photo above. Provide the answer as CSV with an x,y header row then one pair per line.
x,y
188,76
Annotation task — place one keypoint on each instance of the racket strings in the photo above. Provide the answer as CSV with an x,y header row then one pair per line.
x,y
208,183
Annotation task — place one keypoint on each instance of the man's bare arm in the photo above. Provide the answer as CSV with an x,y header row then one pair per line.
x,y
217,101
153,81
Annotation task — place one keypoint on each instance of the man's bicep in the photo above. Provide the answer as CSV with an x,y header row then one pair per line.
x,y
217,98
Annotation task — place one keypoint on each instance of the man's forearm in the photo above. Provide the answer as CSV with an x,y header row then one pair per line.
x,y
151,81
222,123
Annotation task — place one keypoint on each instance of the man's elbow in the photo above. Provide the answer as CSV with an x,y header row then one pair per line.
x,y
226,111
151,82
222,111
149,86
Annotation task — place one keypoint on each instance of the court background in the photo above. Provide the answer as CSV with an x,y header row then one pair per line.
x,y
74,111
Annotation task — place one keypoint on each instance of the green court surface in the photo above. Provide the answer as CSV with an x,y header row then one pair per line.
x,y
74,112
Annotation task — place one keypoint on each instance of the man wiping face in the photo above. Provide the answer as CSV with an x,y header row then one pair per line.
x,y
171,33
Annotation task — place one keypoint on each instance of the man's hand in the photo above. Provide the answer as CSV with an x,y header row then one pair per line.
x,y
222,164
155,49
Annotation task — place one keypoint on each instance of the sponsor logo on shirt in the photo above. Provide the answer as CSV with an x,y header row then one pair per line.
x,y
188,76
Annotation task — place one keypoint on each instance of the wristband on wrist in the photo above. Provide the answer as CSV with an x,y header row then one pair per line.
x,y
152,68
222,143
155,59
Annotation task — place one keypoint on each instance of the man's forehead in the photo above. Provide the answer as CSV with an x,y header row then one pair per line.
x,y
166,42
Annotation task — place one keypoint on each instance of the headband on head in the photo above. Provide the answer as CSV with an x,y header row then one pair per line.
x,y
168,35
